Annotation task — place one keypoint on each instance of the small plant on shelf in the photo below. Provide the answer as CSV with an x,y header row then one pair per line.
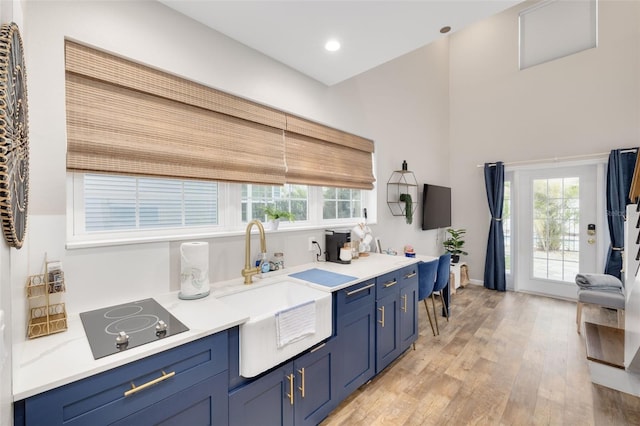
x,y
455,243
274,215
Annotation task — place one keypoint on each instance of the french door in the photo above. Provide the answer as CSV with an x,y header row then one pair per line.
x,y
561,229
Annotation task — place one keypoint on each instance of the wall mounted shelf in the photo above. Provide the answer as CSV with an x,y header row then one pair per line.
x,y
402,182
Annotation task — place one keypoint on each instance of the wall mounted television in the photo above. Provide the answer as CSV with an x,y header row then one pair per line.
x,y
436,207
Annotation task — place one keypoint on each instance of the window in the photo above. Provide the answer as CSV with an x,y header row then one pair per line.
x,y
556,225
553,29
341,203
128,203
113,209
291,198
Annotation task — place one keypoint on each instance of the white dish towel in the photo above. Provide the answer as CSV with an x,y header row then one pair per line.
x,y
292,324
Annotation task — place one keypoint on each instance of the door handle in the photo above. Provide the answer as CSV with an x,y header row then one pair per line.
x,y
352,292
390,283
136,389
381,309
301,387
290,394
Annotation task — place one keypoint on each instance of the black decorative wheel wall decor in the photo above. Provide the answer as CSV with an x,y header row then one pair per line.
x,y
14,137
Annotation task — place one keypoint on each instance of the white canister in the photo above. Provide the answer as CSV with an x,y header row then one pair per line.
x,y
345,254
194,270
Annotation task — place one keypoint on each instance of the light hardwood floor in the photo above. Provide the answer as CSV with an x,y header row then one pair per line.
x,y
503,359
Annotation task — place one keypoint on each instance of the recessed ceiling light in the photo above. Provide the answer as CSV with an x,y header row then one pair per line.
x,y
332,45
445,30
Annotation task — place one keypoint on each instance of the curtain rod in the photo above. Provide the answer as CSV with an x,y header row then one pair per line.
x,y
548,160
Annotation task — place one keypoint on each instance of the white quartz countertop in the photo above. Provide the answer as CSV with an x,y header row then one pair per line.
x,y
47,362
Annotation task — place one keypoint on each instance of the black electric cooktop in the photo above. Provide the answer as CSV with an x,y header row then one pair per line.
x,y
121,327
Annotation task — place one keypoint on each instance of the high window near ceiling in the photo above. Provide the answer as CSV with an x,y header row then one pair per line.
x,y
554,29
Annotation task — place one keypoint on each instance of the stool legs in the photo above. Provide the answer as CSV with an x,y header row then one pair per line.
x,y
426,307
444,306
435,314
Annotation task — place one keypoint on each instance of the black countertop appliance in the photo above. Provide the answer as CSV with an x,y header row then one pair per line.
x,y
334,241
117,328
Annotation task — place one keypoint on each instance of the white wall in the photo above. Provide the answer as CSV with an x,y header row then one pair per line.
x,y
406,105
402,106
585,103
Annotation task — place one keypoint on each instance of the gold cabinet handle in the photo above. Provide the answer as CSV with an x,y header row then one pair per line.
x,y
410,275
301,388
352,292
404,303
135,389
390,283
381,309
290,394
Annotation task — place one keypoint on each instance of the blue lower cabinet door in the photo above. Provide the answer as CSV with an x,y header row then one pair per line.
x,y
315,389
387,331
408,316
356,350
267,401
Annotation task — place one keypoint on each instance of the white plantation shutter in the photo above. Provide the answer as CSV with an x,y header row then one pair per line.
x,y
115,202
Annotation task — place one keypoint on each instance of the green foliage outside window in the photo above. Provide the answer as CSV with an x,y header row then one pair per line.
x,y
556,210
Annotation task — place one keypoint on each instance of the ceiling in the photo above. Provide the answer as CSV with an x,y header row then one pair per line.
x,y
371,32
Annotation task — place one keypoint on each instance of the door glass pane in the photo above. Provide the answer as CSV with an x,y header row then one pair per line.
x,y
555,228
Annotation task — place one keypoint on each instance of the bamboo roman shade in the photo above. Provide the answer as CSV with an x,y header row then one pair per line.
x,y
124,117
320,155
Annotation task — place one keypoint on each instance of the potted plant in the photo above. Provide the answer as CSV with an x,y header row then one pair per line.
x,y
455,243
274,215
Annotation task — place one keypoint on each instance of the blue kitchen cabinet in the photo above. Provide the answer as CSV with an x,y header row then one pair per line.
x,y
408,277
387,319
264,401
355,336
192,387
300,392
396,314
387,330
198,405
316,390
